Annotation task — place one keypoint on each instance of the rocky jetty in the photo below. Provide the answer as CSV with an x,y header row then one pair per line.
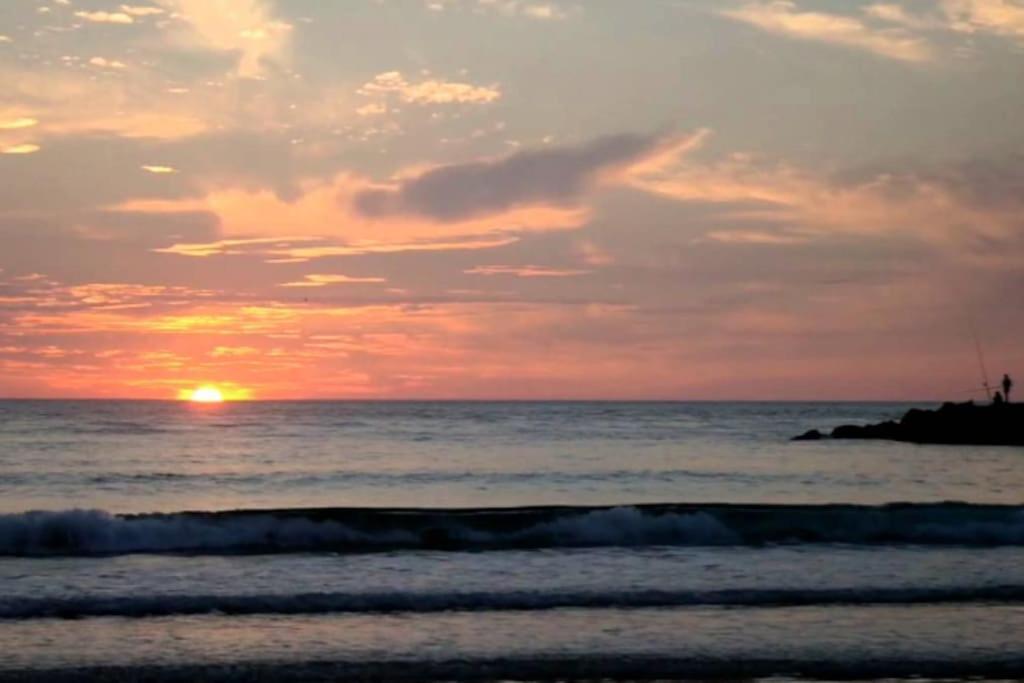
x,y
998,424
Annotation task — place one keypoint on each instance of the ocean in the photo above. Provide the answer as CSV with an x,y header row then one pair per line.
x,y
287,541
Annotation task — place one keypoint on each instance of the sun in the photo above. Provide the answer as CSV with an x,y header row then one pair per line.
x,y
214,393
206,394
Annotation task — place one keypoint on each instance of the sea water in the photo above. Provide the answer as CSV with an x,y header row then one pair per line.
x,y
317,540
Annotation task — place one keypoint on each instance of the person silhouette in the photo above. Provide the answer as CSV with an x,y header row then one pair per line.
x,y
997,399
1007,385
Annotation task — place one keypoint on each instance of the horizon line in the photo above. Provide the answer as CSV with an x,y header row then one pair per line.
x,y
486,400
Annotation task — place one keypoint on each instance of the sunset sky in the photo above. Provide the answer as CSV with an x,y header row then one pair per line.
x,y
692,199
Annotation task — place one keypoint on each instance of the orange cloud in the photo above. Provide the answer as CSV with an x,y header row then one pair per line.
x,y
310,350
324,210
331,218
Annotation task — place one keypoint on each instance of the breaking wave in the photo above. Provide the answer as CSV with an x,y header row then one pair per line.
x,y
423,603
95,532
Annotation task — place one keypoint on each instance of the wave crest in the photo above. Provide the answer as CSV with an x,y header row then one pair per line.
x,y
424,603
83,532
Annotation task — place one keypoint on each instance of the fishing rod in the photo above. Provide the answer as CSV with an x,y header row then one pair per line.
x,y
981,361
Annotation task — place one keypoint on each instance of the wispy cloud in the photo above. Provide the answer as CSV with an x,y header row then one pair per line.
x,y
897,14
18,123
429,91
104,63
141,10
322,280
372,109
226,247
100,17
26,148
326,210
784,17
972,210
530,9
542,11
991,17
1001,17
293,250
364,248
754,237
895,30
524,271
246,27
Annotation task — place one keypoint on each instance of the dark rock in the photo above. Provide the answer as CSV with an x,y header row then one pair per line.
x,y
1000,424
848,432
809,435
